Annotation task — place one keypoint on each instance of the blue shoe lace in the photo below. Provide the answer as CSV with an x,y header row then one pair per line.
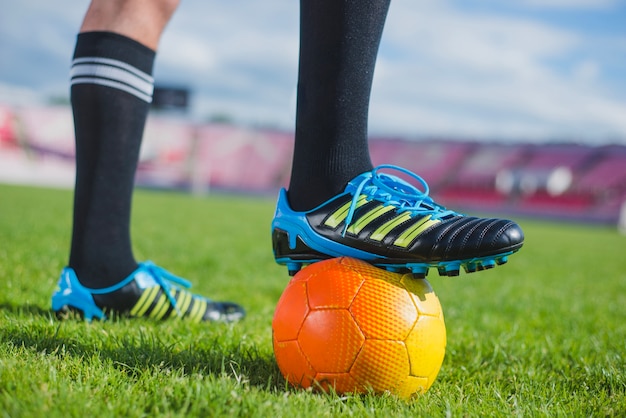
x,y
158,274
392,190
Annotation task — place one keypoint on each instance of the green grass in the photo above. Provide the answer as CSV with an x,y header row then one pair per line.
x,y
544,335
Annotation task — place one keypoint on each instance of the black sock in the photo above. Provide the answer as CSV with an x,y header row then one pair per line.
x,y
339,42
111,91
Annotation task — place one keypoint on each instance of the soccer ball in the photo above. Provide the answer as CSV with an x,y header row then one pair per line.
x,y
347,325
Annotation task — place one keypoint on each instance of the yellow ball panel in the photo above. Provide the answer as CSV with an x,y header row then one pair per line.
x,y
423,295
426,345
413,385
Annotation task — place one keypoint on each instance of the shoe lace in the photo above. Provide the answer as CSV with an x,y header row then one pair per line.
x,y
392,190
164,279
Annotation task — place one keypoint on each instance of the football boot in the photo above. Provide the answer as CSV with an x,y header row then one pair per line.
x,y
393,224
150,291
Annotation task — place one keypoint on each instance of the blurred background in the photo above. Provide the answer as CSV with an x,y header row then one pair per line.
x,y
516,108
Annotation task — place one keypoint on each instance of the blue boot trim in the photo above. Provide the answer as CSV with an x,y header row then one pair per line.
x,y
70,293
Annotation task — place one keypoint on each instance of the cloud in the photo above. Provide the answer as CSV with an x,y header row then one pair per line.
x,y
569,4
240,57
483,74
467,68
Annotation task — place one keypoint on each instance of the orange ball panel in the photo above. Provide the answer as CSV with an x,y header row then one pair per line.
x,y
339,382
330,339
293,364
365,269
290,312
333,288
384,310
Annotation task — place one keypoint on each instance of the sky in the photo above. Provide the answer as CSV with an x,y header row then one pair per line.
x,y
529,70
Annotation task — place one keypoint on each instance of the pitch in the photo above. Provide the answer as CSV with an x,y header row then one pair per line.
x,y
542,336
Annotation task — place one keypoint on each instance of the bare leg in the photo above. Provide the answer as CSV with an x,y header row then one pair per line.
x,y
141,20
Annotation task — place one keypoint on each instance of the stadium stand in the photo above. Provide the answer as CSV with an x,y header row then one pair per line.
x,y
166,160
545,181
573,181
433,160
47,131
474,185
8,136
243,159
607,173
605,182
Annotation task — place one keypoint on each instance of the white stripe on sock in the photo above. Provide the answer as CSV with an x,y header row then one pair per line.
x,y
114,63
113,84
112,73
